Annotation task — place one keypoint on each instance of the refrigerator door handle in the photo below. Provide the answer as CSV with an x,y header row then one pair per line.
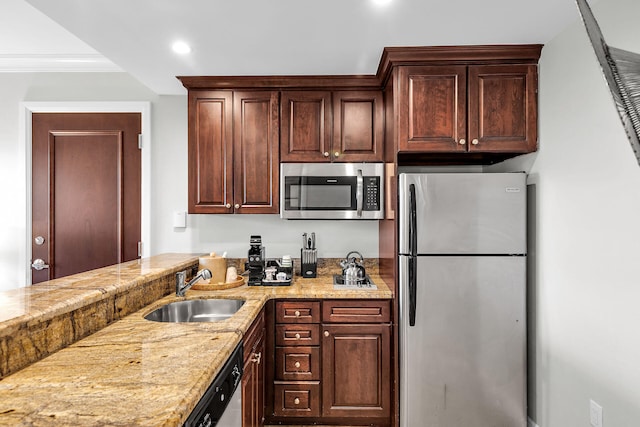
x,y
413,222
413,269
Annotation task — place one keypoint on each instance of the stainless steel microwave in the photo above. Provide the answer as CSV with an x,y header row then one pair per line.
x,y
332,190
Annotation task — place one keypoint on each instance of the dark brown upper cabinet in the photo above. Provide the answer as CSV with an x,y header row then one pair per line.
x,y
475,108
233,151
339,126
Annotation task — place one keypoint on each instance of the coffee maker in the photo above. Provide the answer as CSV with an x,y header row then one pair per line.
x,y
255,261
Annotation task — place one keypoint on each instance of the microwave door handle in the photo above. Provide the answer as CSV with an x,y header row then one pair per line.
x,y
359,192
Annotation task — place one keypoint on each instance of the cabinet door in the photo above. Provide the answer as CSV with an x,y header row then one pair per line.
x,y
210,152
432,109
253,375
503,108
356,366
358,126
306,126
256,152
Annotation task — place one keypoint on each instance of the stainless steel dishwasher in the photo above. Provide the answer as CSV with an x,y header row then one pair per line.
x,y
221,405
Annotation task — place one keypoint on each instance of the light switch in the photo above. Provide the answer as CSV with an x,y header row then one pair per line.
x,y
179,219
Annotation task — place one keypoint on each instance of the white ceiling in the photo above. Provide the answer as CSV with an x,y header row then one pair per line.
x,y
261,37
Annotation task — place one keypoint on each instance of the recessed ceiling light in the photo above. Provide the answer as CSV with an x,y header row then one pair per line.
x,y
181,48
381,2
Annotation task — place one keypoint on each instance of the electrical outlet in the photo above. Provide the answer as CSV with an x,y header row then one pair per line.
x,y
595,412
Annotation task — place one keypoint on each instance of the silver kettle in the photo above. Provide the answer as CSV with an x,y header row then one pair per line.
x,y
353,269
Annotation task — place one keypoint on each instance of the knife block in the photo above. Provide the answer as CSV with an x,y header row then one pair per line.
x,y
308,263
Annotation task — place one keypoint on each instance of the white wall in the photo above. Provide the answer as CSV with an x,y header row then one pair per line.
x,y
587,291
168,180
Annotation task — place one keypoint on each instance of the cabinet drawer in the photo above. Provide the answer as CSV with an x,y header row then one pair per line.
x,y
297,399
298,312
356,311
298,363
295,335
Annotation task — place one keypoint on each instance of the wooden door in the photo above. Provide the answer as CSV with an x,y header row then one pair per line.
x,y
356,365
503,108
256,155
306,126
432,109
85,191
210,152
358,126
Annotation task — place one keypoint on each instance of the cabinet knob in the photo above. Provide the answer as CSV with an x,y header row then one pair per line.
x,y
296,401
237,206
297,336
462,141
326,154
336,154
297,364
297,313
256,357
326,333
228,206
475,141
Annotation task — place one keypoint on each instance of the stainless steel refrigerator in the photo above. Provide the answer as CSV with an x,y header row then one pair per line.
x,y
462,258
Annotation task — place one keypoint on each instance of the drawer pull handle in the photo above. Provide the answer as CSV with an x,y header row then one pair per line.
x,y
296,401
297,336
326,333
297,313
297,364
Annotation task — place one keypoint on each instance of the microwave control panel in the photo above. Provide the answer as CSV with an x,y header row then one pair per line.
x,y
371,193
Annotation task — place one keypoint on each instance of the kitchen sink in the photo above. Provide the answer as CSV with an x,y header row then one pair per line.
x,y
196,310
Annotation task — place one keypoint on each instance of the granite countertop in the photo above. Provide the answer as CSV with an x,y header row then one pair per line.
x,y
139,372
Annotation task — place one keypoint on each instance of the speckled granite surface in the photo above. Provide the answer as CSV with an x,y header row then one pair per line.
x,y
38,320
143,373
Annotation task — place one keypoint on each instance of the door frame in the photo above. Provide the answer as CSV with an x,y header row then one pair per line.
x,y
25,141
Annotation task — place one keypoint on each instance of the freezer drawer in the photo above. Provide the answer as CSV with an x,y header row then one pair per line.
x,y
464,213
464,361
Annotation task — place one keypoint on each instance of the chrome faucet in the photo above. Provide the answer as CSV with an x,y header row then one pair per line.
x,y
181,288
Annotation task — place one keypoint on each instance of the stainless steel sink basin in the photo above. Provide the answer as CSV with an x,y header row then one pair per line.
x,y
196,310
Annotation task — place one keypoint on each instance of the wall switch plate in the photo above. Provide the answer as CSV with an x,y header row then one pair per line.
x,y
179,219
595,414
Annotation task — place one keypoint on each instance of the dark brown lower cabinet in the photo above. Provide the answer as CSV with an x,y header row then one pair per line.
x,y
253,375
331,363
356,362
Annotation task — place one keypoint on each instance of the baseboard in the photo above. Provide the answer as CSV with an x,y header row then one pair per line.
x,y
530,423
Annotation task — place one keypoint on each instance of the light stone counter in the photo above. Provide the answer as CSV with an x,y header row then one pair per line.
x,y
144,373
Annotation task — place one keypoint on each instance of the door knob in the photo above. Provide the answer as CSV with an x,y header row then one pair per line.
x,y
39,264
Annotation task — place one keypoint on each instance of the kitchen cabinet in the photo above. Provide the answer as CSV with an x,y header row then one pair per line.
x,y
332,362
254,374
468,108
338,126
356,359
296,387
233,151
